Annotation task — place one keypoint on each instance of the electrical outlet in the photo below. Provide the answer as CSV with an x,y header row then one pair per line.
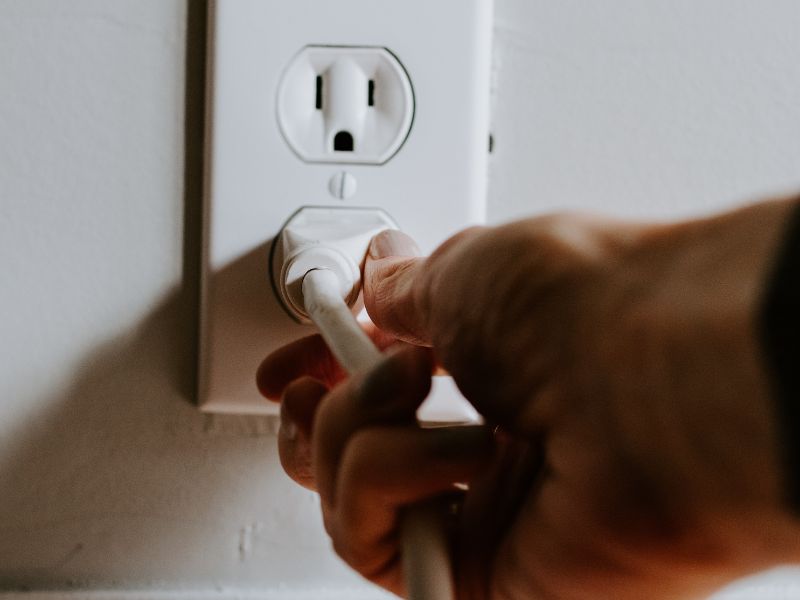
x,y
345,105
335,105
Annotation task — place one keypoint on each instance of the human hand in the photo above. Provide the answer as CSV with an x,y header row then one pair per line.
x,y
636,454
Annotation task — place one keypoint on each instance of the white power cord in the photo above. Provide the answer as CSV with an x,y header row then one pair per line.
x,y
424,545
329,312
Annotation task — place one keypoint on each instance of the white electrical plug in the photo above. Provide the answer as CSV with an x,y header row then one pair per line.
x,y
335,239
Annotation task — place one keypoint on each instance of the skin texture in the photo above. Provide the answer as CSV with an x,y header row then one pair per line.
x,y
630,448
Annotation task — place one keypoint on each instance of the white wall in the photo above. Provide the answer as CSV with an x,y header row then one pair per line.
x,y
109,478
656,107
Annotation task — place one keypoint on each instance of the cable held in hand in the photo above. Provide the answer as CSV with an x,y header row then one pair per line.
x,y
424,546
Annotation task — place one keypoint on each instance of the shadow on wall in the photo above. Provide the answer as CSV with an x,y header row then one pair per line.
x,y
105,486
123,480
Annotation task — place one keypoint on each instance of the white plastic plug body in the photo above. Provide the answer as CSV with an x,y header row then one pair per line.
x,y
345,104
336,239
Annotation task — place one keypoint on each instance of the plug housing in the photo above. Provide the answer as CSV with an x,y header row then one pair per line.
x,y
336,239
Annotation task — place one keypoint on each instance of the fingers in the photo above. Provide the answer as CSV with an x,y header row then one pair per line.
x,y
388,395
383,470
298,410
307,357
371,459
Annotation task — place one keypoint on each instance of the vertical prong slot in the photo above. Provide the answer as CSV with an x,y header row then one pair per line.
x,y
318,95
371,93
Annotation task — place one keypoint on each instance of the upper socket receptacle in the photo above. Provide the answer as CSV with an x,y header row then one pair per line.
x,y
343,104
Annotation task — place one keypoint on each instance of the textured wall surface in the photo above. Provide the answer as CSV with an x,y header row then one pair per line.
x,y
109,477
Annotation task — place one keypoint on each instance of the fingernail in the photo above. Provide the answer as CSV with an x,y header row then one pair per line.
x,y
289,429
392,243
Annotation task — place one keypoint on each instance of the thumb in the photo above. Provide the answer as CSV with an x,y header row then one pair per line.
x,y
392,281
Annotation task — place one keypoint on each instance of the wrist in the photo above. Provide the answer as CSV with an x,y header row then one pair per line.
x,y
691,297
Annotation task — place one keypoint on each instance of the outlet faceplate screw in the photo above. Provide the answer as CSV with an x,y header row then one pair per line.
x,y
343,185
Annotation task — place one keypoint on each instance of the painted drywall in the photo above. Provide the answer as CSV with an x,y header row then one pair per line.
x,y
109,478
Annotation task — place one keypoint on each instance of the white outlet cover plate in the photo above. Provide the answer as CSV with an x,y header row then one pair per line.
x,y
433,187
